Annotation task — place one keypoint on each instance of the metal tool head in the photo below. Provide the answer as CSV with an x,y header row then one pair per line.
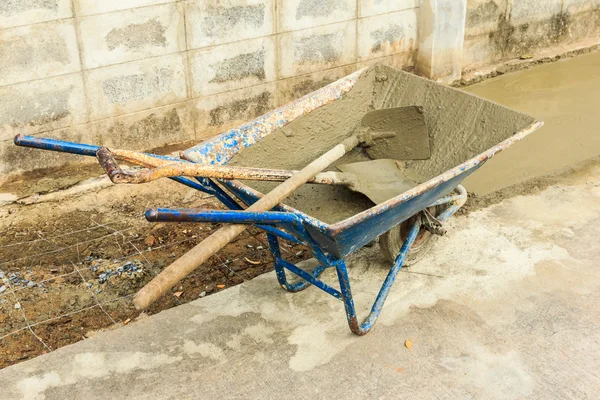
x,y
379,180
396,133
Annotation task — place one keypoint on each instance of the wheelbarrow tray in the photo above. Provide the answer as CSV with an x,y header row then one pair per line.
x,y
465,131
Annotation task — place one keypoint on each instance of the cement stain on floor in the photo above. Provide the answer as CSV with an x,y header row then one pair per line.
x,y
566,96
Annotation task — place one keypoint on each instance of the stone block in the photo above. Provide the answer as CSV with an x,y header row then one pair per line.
x,y
148,129
42,105
233,66
132,35
528,11
402,61
300,14
38,51
372,7
220,112
27,12
387,34
213,22
89,7
316,49
143,131
484,16
291,89
135,86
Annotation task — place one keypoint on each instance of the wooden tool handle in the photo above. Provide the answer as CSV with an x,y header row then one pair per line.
x,y
179,269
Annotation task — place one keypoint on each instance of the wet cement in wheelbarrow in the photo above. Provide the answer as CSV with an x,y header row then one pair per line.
x,y
460,126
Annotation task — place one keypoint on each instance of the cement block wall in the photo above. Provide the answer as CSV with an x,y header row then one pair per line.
x,y
498,30
140,74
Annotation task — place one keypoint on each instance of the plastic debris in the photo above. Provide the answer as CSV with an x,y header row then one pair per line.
x,y
220,286
408,344
17,306
177,294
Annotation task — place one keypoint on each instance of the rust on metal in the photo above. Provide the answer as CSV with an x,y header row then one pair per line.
x,y
159,168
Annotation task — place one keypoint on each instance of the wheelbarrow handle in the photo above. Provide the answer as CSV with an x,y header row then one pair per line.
x,y
159,168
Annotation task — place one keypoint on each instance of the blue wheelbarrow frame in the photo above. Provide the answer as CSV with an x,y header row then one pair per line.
x,y
329,244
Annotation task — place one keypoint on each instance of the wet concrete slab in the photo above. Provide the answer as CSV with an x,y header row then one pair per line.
x,y
504,307
566,96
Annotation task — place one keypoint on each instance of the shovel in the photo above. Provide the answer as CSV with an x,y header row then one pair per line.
x,y
402,129
171,275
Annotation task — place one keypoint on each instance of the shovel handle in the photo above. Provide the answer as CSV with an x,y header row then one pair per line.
x,y
159,168
183,266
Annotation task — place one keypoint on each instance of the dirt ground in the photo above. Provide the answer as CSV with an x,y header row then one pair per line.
x,y
70,264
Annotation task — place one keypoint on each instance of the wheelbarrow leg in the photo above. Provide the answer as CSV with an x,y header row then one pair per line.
x,y
280,265
346,291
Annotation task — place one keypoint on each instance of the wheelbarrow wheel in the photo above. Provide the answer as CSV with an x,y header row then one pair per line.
x,y
391,241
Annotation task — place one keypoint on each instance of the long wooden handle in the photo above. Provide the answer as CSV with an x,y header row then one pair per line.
x,y
157,168
179,269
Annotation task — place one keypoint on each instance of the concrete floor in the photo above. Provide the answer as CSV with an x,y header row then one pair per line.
x,y
505,307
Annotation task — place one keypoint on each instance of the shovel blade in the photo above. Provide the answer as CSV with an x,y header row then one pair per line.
x,y
379,180
411,139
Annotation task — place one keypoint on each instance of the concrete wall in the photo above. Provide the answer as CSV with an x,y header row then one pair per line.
x,y
498,30
140,74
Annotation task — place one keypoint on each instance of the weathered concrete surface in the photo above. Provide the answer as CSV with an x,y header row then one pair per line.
x,y
233,66
132,35
315,49
498,30
25,12
506,306
300,14
384,35
373,7
38,51
441,39
136,86
565,96
213,22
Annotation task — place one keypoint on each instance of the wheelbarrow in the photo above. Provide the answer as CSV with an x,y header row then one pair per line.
x,y
465,131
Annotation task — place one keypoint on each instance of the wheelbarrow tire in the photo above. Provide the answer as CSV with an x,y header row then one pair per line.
x,y
391,241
